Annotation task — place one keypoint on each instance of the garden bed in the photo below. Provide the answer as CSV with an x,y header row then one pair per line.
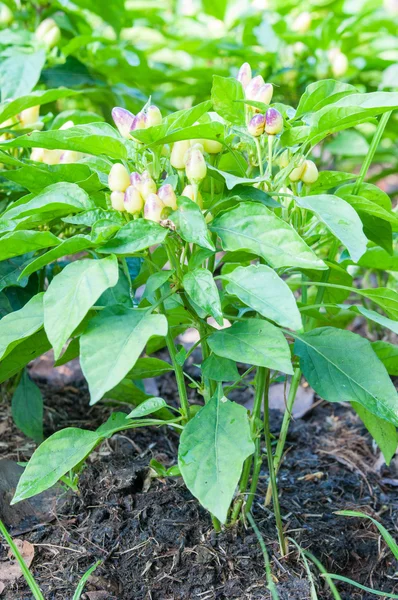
x,y
155,540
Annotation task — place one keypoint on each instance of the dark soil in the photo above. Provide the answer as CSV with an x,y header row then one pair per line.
x,y
157,543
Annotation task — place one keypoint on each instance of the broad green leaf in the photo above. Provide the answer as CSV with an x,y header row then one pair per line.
x,y
216,8
254,228
378,258
155,282
56,200
328,180
37,176
384,433
149,367
134,237
16,243
231,181
255,342
111,12
10,109
224,93
321,93
248,192
373,316
349,111
11,271
27,408
218,368
388,354
148,407
72,293
201,289
91,217
340,218
116,422
71,352
112,343
190,223
55,457
128,392
362,204
369,191
27,350
348,143
72,245
20,70
21,324
386,298
264,291
93,138
342,367
208,131
213,447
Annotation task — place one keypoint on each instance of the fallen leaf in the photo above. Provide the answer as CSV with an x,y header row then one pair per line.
x,y
312,476
2,588
10,570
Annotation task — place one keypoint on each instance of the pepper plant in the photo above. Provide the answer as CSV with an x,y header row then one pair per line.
x,y
213,218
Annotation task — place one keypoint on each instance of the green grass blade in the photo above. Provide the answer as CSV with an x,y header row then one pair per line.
x,y
34,588
391,543
270,581
361,587
324,572
314,595
83,581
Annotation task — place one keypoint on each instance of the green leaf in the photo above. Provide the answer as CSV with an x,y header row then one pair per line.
x,y
114,423
388,354
254,228
77,243
255,342
362,204
72,293
224,93
112,343
20,70
154,282
378,258
190,223
202,291
57,455
349,111
321,93
22,354
134,237
16,243
248,192
218,368
71,352
20,324
27,408
384,433
149,367
37,176
111,12
373,316
148,407
56,200
386,298
328,180
259,287
93,138
11,271
232,181
213,448
340,218
342,367
10,109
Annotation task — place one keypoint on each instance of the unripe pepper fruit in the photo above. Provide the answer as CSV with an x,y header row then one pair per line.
x,y
167,196
119,178
177,157
133,201
153,208
117,201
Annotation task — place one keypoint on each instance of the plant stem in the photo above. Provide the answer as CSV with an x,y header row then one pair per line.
x,y
284,429
272,476
270,143
259,158
371,152
262,387
207,383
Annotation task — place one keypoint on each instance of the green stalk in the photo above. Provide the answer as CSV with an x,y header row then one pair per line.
x,y
371,152
34,588
270,143
272,476
259,158
262,388
284,429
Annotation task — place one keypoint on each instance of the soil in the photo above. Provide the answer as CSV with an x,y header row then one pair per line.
x,y
155,541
